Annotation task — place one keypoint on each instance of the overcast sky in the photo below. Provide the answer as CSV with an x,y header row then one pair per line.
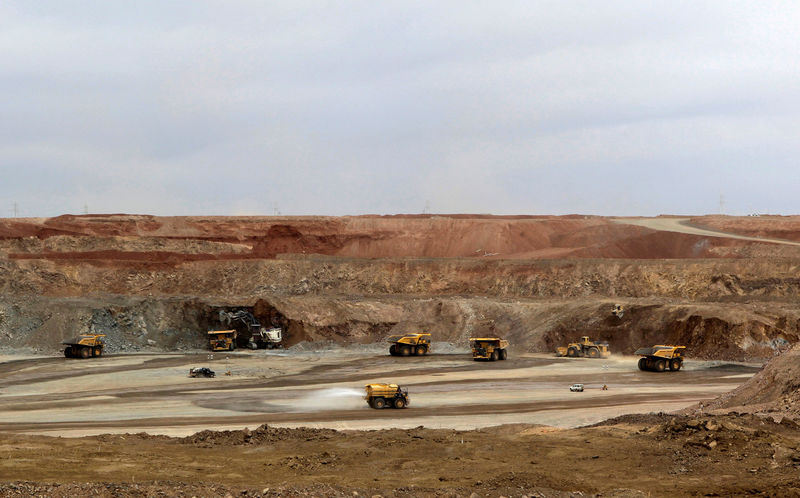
x,y
355,107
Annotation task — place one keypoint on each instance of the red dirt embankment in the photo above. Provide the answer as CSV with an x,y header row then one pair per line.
x,y
98,238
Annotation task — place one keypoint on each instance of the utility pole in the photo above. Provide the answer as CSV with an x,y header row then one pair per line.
x,y
85,209
16,209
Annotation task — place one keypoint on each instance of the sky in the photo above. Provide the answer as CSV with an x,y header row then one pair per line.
x,y
361,107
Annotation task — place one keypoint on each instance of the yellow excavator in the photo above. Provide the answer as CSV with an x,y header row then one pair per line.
x,y
660,357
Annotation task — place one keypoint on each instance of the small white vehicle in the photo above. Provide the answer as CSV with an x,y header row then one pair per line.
x,y
576,388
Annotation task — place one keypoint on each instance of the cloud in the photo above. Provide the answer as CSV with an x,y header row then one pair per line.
x,y
328,108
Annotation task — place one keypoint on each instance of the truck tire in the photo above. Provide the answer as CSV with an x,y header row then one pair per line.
x,y
399,403
503,354
572,352
405,350
68,352
675,365
393,350
495,355
421,350
97,351
232,347
643,364
660,365
378,403
84,352
593,353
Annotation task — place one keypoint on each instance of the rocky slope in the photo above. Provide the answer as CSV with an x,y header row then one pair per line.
x,y
152,282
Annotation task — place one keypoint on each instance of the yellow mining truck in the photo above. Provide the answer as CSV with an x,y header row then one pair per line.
x,y
383,395
488,348
660,357
585,348
84,346
222,340
406,345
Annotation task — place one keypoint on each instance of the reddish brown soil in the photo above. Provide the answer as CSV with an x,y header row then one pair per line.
x,y
463,236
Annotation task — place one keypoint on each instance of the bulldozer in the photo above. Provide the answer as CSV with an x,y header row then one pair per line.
x,y
222,340
386,395
585,348
408,344
84,346
660,357
488,348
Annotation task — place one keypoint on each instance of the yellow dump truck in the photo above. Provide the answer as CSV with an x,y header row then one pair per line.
x,y
585,348
406,345
660,357
222,340
488,348
386,395
84,346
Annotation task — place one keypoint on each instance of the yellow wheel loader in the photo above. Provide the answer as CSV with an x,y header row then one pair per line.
x,y
488,348
84,346
386,395
410,344
660,357
585,348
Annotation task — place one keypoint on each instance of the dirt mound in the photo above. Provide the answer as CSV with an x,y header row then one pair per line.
x,y
263,434
774,391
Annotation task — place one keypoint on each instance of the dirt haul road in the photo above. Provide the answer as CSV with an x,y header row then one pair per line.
x,y
152,393
682,225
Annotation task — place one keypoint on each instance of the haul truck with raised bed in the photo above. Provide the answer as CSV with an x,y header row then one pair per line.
x,y
84,346
386,395
222,340
660,357
585,348
408,344
488,348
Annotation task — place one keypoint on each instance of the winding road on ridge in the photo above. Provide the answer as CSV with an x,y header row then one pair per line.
x,y
681,225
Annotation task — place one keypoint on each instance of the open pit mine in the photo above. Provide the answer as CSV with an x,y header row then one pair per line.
x,y
409,355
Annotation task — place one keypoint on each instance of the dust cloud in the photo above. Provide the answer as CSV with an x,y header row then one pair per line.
x,y
335,398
